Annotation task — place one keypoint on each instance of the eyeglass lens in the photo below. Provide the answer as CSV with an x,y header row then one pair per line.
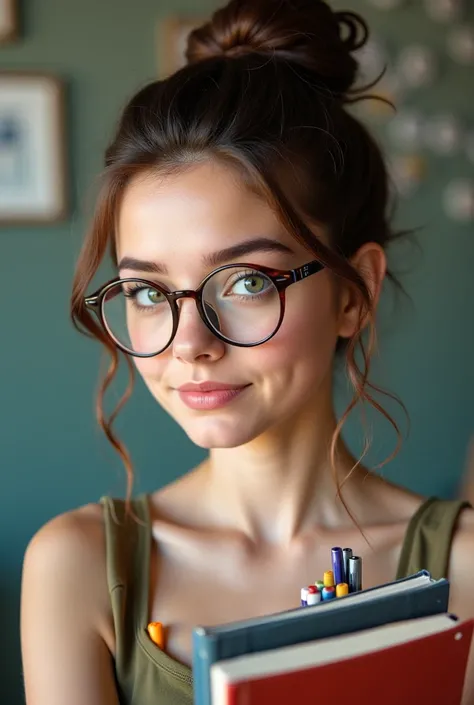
x,y
241,304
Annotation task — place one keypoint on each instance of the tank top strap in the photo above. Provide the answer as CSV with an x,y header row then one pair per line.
x,y
428,538
128,546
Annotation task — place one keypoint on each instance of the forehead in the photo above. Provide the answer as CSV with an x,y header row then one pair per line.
x,y
201,208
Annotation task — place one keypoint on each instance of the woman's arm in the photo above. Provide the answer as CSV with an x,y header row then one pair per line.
x,y
461,574
64,611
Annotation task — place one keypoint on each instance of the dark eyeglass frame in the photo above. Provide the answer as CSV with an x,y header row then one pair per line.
x,y
280,278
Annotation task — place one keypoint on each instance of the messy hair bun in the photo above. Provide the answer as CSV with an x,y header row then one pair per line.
x,y
306,32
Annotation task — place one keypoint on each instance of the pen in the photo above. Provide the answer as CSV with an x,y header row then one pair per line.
x,y
319,584
328,593
337,564
342,589
328,579
346,554
156,633
355,574
304,596
314,596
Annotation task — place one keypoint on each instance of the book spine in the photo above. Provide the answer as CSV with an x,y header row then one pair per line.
x,y
434,601
204,655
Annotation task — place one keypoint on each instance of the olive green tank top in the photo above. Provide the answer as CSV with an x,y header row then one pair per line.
x,y
145,675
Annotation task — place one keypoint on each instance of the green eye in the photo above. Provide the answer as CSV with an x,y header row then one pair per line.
x,y
250,284
145,296
254,285
154,296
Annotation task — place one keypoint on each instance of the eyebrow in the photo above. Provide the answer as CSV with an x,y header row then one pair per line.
x,y
214,259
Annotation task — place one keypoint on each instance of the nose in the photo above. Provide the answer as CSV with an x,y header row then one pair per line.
x,y
193,340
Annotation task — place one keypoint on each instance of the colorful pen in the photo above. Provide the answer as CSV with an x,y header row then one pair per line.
x,y
342,589
346,554
337,564
328,593
314,596
355,574
304,596
156,633
328,579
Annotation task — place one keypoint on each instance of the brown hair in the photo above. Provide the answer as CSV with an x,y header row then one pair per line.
x,y
265,89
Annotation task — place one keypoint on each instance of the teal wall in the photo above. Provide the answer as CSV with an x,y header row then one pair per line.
x,y
51,454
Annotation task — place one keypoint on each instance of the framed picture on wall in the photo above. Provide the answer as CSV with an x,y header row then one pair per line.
x,y
32,149
172,38
8,20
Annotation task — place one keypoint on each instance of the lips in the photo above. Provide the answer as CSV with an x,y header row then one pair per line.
x,y
209,396
206,387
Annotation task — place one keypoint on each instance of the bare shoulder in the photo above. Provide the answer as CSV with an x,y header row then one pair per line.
x,y
461,568
66,614
70,550
78,532
389,503
461,577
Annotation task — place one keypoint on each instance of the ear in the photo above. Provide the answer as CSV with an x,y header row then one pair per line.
x,y
371,263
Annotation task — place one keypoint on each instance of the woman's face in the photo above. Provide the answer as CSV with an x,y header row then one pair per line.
x,y
179,224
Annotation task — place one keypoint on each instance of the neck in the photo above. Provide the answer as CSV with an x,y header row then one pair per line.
x,y
282,483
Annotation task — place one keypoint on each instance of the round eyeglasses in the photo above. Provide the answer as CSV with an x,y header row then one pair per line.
x,y
241,304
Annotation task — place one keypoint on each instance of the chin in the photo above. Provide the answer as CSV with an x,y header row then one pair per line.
x,y
229,427
219,433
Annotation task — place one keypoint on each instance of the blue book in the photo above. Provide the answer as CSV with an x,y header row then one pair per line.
x,y
409,598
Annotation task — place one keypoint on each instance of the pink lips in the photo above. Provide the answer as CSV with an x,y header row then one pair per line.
x,y
208,396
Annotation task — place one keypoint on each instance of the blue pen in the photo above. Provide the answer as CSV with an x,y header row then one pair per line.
x,y
328,593
337,565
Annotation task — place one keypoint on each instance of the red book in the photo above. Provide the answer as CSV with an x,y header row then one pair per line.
x,y
407,663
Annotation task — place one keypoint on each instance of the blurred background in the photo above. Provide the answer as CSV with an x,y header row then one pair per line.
x,y
66,69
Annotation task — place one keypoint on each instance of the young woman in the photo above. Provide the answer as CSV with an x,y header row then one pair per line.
x,y
246,211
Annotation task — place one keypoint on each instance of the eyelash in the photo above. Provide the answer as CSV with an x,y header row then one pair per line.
x,y
246,275
132,294
134,289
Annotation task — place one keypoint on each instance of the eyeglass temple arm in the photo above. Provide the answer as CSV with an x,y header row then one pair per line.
x,y
306,270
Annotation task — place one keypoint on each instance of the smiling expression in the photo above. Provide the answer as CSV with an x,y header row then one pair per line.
x,y
174,231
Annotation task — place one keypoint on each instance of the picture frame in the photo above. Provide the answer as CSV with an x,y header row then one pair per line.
x,y
171,40
33,175
8,21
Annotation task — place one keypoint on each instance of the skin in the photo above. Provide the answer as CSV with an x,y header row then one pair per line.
x,y
267,512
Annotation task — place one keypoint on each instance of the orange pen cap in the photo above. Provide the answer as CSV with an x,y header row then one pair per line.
x,y
156,633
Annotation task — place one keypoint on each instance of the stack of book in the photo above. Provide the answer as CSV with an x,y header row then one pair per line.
x,y
391,645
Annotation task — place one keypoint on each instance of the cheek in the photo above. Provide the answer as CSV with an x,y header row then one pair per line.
x,y
295,363
309,326
151,369
305,343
